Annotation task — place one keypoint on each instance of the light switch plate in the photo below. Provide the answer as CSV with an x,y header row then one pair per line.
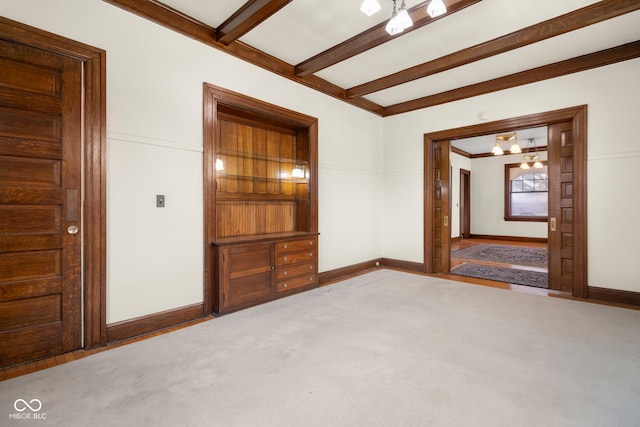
x,y
160,200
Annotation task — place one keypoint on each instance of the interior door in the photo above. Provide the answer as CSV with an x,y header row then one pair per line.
x,y
561,206
40,203
441,207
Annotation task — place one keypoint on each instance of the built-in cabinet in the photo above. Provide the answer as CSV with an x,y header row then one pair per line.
x,y
260,201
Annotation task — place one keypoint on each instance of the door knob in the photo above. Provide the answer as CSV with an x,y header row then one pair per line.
x,y
72,229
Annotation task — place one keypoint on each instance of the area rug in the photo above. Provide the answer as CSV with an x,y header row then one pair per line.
x,y
502,274
516,255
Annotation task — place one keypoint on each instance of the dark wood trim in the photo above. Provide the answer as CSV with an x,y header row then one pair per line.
x,y
251,14
95,171
483,155
461,152
342,273
176,21
396,264
511,238
614,295
374,36
154,322
578,117
557,69
589,15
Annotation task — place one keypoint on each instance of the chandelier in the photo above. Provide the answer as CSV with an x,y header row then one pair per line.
x,y
509,137
529,157
400,19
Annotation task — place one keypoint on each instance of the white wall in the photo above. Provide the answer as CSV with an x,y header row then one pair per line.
x,y
612,95
154,137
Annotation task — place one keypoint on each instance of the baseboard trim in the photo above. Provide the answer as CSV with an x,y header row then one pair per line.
x,y
615,295
331,276
153,322
342,273
511,238
413,267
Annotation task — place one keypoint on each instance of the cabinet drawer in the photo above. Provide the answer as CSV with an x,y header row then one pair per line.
x,y
295,257
295,245
296,270
298,282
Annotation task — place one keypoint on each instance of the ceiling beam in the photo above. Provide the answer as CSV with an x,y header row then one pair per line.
x,y
252,13
176,21
374,36
557,69
571,21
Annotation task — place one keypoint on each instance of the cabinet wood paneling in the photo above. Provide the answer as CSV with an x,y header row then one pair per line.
x,y
255,203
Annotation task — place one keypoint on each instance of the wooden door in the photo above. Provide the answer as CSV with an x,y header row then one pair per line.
x,y
561,206
441,207
465,204
40,203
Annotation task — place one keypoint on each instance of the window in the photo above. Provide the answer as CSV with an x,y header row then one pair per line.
x,y
526,193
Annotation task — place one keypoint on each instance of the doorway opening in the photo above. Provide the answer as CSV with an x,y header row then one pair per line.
x,y
567,215
508,240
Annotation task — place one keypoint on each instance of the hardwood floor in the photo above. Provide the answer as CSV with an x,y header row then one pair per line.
x,y
467,243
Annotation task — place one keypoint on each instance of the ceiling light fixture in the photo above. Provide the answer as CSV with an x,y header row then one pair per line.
x,y
370,7
531,157
400,18
514,149
436,8
497,150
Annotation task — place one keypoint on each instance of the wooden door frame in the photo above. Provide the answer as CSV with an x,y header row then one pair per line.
x,y
465,214
94,166
578,118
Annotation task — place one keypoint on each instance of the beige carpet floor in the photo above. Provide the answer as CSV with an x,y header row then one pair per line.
x,y
382,349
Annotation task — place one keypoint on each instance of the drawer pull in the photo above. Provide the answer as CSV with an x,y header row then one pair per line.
x,y
284,246
285,258
284,285
311,279
310,242
311,267
285,273
310,253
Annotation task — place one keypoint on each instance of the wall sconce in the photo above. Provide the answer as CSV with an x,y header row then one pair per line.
x,y
298,172
219,163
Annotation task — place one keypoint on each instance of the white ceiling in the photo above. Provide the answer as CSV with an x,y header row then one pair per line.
x,y
304,28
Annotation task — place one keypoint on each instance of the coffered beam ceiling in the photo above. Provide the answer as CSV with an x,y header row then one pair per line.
x,y
252,13
374,36
571,21
557,69
246,18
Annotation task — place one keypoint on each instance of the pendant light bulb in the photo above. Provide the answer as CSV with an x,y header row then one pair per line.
x,y
394,26
515,148
497,150
370,7
403,17
436,8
